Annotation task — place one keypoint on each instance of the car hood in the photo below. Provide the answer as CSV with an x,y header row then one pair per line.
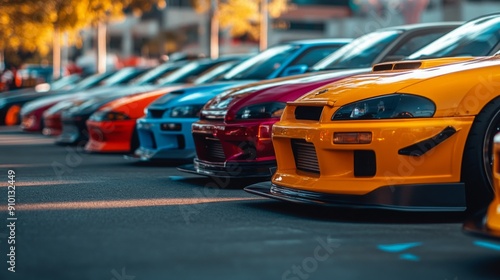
x,y
97,99
15,92
364,86
79,96
291,89
194,95
23,96
225,99
127,102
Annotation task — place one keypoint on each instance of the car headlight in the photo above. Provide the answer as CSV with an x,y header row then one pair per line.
x,y
190,111
394,106
261,111
100,116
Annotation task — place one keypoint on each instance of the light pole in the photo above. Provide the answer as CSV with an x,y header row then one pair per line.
x,y
452,10
101,47
214,29
56,54
264,24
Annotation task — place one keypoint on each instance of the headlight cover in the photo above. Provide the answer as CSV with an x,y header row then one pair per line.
x,y
261,111
189,111
100,116
393,106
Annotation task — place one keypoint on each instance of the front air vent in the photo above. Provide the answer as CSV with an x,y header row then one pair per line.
x,y
407,65
382,67
305,157
365,163
311,113
214,150
156,113
397,66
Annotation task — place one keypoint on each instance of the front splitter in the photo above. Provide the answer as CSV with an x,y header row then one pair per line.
x,y
377,199
220,171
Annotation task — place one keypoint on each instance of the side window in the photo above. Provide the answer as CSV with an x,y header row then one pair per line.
x,y
313,55
415,43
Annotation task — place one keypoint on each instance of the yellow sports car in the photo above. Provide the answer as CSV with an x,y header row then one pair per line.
x,y
414,140
486,223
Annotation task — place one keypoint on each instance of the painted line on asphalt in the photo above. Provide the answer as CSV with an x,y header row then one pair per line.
x,y
44,183
104,204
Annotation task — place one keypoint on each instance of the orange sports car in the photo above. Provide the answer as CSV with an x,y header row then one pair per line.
x,y
411,136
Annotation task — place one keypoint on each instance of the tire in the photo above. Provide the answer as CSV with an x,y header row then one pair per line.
x,y
477,158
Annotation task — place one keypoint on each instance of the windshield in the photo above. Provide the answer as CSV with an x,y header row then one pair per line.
x,y
360,53
66,82
186,72
119,76
475,38
156,73
262,65
215,73
91,81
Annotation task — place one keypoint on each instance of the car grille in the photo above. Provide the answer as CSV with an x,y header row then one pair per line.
x,y
156,113
214,150
310,113
305,156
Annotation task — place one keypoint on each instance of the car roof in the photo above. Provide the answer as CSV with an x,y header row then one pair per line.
x,y
318,41
419,26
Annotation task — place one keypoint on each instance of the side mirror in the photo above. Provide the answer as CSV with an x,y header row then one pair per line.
x,y
295,70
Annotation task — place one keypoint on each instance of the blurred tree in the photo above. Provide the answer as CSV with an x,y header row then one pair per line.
x,y
36,25
242,16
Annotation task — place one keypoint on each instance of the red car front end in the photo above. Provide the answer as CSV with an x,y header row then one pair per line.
x,y
33,121
233,136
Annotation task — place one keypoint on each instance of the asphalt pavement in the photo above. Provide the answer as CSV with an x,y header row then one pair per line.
x,y
76,215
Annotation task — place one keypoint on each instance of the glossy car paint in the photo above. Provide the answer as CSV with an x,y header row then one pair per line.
x,y
116,135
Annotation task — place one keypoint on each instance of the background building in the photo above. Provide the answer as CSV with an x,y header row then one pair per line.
x,y
178,28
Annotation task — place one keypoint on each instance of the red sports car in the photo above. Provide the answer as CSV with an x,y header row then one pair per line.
x,y
111,128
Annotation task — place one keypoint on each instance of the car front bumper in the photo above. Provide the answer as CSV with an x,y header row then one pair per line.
x,y
52,125
30,122
110,136
242,149
158,142
230,169
401,152
74,131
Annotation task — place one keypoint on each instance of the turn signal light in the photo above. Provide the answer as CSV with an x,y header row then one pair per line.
x,y
352,137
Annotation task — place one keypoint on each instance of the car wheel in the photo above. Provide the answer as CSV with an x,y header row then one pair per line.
x,y
12,116
477,158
